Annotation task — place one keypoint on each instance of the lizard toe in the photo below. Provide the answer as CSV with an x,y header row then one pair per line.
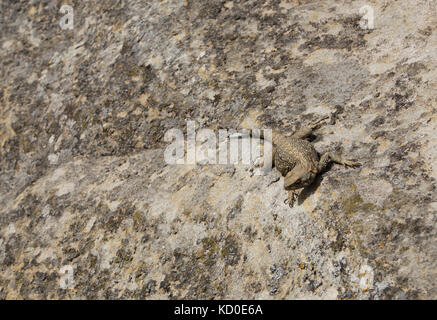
x,y
289,201
353,163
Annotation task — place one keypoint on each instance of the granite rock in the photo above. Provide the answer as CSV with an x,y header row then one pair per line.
x,y
84,184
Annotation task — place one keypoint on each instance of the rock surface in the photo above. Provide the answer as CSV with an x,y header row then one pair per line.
x,y
84,184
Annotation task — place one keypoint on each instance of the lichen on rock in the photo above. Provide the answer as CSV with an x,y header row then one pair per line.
x,y
83,181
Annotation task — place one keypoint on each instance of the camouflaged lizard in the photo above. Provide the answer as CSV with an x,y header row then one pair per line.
x,y
297,160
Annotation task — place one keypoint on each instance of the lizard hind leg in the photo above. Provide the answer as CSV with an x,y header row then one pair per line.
x,y
306,132
317,124
329,157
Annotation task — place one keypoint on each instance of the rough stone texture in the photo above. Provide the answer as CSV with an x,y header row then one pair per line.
x,y
83,182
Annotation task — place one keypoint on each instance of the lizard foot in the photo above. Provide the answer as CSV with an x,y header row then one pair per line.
x,y
328,157
289,201
318,123
291,198
351,163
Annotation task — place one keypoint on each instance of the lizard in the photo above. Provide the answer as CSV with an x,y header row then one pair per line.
x,y
298,161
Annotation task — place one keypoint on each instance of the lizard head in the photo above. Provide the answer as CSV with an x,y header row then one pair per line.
x,y
297,179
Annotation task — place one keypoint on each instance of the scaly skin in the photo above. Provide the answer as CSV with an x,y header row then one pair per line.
x,y
297,160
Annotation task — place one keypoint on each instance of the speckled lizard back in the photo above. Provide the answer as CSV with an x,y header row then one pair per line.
x,y
289,151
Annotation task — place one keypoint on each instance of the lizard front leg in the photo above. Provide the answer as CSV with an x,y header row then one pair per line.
x,y
289,181
292,195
